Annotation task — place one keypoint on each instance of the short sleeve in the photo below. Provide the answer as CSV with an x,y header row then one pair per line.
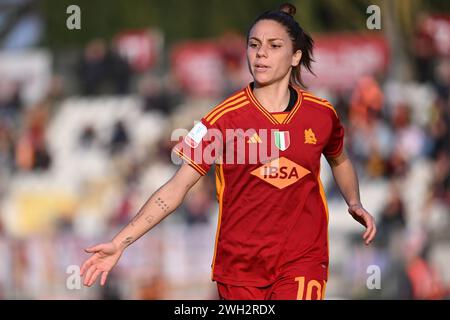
x,y
335,144
201,147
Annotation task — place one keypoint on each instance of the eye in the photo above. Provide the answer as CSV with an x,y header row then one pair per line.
x,y
275,46
253,45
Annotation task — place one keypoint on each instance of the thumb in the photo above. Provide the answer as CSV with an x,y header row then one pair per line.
x,y
96,248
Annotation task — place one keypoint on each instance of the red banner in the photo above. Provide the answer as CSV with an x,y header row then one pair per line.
x,y
199,68
436,28
342,59
141,48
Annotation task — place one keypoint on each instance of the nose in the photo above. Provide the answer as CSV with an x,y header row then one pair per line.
x,y
261,52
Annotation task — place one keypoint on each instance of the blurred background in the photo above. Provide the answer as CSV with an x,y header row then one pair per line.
x,y
86,117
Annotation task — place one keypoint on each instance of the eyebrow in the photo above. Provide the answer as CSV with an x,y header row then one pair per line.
x,y
271,39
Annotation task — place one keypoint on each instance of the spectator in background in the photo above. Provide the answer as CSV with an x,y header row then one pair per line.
x,y
367,97
88,137
409,142
438,128
435,213
370,137
56,92
10,101
119,138
442,78
31,150
119,72
92,67
425,280
409,139
128,194
232,48
423,50
6,146
397,165
42,159
155,97
198,202
370,142
392,217
10,110
341,105
100,66
441,181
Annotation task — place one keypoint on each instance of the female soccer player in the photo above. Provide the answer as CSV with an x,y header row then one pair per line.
x,y
272,240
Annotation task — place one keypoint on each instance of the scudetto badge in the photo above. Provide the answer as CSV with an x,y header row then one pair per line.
x,y
282,140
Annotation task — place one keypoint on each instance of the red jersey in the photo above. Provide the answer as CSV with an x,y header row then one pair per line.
x,y
273,216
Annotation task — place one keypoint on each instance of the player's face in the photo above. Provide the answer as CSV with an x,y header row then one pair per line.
x,y
270,53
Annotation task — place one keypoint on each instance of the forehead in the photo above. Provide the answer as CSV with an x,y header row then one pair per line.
x,y
268,29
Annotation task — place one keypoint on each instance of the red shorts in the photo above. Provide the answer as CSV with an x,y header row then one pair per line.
x,y
299,287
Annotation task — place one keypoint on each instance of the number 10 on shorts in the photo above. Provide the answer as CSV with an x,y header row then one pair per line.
x,y
311,286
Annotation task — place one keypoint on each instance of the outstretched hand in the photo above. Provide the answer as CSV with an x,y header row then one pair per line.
x,y
365,218
104,258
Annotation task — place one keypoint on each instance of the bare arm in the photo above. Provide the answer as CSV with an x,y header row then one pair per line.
x,y
163,202
347,181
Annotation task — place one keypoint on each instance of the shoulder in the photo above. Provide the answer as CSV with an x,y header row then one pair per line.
x,y
227,107
312,101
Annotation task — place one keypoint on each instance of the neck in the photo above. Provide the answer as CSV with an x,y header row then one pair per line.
x,y
273,97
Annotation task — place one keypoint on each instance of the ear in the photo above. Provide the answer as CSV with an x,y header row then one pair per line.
x,y
296,58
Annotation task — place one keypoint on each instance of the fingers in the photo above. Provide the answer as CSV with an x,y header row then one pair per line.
x,y
372,234
363,217
94,276
86,265
367,233
371,230
103,279
369,226
90,261
89,274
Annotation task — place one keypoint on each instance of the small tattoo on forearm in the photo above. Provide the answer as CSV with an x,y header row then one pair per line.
x,y
162,204
127,240
136,217
149,219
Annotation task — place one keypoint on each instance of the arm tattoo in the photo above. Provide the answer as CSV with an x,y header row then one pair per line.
x,y
149,219
127,240
162,204
136,217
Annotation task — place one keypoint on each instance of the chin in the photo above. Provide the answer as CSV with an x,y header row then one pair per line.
x,y
263,81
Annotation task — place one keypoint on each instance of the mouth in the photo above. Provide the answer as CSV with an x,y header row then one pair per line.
x,y
260,67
